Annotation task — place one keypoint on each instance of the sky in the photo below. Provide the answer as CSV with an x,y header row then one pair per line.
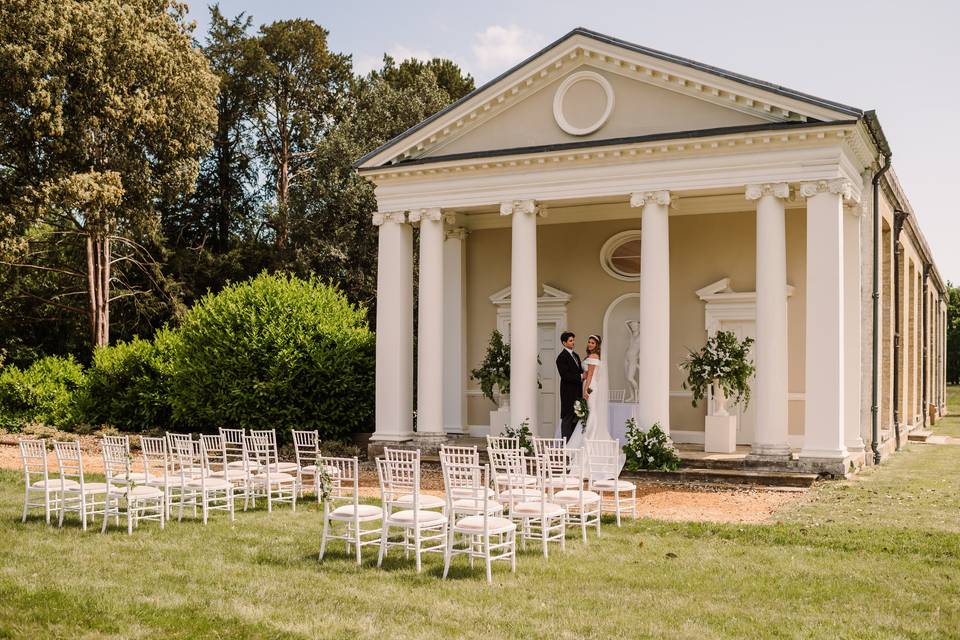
x,y
900,58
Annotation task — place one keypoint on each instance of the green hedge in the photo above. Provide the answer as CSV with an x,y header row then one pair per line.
x,y
275,352
46,393
128,384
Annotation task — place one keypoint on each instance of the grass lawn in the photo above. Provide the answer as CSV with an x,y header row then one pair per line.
x,y
875,557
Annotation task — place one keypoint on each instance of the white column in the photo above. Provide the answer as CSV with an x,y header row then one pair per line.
x,y
824,436
851,327
430,372
654,393
770,351
394,368
524,395
454,330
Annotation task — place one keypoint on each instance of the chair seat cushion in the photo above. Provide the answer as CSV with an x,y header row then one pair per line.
x,y
137,476
611,485
426,501
534,509
311,469
521,495
239,464
139,491
469,505
89,487
572,496
346,512
474,524
526,480
54,484
467,492
424,517
229,474
566,482
284,467
217,484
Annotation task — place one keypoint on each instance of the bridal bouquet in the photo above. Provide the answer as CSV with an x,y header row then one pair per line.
x,y
582,412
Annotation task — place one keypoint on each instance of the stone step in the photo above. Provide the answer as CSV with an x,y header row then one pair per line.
x,y
919,436
748,477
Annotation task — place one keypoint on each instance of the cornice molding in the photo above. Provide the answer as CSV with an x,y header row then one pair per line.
x,y
643,198
776,189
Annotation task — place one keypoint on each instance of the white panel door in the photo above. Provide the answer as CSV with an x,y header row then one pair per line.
x,y
746,419
548,343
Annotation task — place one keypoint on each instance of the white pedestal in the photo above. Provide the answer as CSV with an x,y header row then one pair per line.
x,y
720,434
499,420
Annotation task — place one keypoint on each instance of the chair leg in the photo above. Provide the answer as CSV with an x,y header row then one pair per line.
x,y
513,551
486,557
46,507
26,503
416,547
357,540
616,502
383,544
447,553
323,537
130,510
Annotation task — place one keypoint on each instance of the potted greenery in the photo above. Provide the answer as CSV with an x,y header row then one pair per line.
x,y
722,366
493,374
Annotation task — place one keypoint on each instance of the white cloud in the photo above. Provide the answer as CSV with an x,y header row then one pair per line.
x,y
497,48
364,64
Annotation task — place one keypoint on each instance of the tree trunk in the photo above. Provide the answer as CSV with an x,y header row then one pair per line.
x,y
283,194
98,287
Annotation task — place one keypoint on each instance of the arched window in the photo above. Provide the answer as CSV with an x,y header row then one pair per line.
x,y
620,255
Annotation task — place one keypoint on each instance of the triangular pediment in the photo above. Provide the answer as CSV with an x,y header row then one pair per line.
x,y
550,295
588,87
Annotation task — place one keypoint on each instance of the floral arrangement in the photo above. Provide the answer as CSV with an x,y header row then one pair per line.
x,y
522,434
648,450
724,360
494,372
582,412
324,484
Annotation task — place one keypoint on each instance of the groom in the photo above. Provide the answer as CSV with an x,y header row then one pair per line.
x,y
571,383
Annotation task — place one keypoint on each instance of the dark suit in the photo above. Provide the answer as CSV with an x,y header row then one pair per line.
x,y
571,388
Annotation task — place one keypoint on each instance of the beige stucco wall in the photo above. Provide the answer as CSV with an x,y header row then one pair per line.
x,y
703,249
639,109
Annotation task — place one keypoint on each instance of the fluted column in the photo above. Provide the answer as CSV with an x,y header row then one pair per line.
x,y
825,389
770,351
654,392
394,367
524,394
430,327
454,329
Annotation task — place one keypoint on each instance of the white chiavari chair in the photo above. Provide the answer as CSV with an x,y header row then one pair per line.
x,y
539,519
512,483
459,454
216,465
412,456
124,496
87,499
37,480
275,486
540,444
201,489
306,447
161,470
483,532
234,448
603,460
459,483
583,505
400,478
351,516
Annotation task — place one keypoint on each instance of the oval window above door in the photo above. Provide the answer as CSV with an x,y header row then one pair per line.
x,y
620,255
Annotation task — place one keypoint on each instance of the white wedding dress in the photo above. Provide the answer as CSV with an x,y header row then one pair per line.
x,y
598,422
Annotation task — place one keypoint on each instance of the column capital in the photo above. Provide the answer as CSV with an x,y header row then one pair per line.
x,y
776,189
381,217
432,214
459,233
643,198
519,206
837,186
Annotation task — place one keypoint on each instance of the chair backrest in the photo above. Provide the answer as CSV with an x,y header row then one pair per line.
x,y
69,461
306,447
540,445
503,442
617,395
509,468
33,455
266,440
123,441
180,449
233,447
345,476
559,464
214,454
407,455
459,454
189,457
116,463
467,484
261,455
156,460
603,459
399,476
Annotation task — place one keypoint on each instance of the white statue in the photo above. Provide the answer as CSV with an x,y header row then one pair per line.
x,y
631,362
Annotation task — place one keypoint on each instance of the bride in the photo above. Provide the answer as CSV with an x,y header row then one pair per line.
x,y
596,392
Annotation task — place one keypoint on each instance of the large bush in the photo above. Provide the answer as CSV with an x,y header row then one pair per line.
x,y
275,352
128,384
44,393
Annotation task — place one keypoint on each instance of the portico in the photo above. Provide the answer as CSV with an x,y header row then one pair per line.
x,y
717,180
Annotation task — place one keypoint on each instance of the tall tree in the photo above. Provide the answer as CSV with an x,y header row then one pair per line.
x,y
302,93
106,108
953,334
